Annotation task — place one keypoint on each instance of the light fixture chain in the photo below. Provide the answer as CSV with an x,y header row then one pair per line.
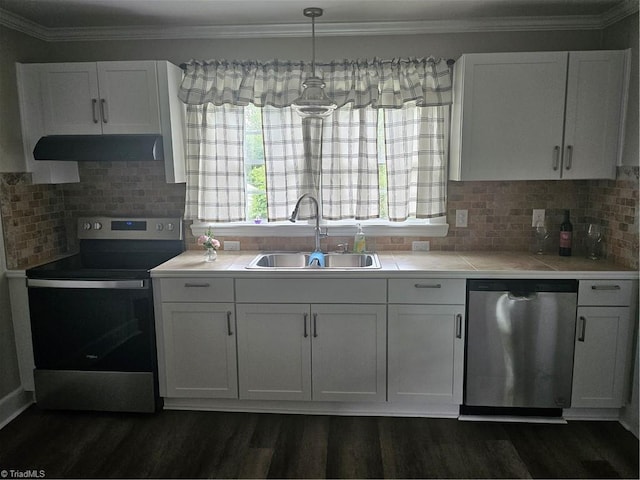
x,y
313,45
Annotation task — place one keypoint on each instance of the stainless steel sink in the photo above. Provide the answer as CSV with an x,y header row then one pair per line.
x,y
300,260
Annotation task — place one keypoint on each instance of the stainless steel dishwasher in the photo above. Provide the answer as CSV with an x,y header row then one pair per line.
x,y
520,340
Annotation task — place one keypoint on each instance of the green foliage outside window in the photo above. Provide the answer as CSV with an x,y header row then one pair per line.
x,y
258,200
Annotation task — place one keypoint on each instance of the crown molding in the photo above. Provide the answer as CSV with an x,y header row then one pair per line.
x,y
620,12
23,25
497,24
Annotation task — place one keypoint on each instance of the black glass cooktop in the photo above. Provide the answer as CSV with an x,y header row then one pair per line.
x,y
115,259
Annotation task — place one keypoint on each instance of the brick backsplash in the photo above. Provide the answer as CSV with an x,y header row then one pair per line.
x,y
33,220
614,204
124,188
39,220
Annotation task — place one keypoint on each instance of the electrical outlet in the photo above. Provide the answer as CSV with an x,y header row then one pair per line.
x,y
231,245
420,246
462,217
538,217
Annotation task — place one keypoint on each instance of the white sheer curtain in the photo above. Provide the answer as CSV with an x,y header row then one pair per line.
x,y
350,164
292,160
215,167
294,156
416,154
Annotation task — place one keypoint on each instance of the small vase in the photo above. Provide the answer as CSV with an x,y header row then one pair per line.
x,y
210,255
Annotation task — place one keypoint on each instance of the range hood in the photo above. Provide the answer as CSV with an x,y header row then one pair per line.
x,y
99,148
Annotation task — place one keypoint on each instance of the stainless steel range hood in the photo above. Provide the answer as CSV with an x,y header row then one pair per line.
x,y
99,148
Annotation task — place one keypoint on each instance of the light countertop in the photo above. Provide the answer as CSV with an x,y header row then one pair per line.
x,y
402,264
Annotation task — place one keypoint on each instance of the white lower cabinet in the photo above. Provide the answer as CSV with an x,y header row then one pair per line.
x,y
199,350
600,359
426,353
274,353
604,341
349,352
426,337
312,352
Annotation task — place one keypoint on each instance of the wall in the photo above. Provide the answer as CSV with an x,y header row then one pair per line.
x,y
34,220
9,376
620,204
327,48
13,46
499,212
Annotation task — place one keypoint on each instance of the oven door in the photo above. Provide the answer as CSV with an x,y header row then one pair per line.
x,y
93,341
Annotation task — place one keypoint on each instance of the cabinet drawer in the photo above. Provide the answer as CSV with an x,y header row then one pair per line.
x,y
427,290
605,292
308,290
196,289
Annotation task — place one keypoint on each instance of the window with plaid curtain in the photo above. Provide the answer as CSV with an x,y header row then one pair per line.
x,y
335,158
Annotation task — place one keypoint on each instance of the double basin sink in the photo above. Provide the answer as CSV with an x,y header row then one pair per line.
x,y
300,260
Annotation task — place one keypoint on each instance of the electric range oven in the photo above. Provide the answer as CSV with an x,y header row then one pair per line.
x,y
92,319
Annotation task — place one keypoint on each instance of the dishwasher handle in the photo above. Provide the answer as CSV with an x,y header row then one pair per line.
x,y
522,297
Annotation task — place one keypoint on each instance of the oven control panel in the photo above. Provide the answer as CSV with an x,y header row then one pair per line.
x,y
108,228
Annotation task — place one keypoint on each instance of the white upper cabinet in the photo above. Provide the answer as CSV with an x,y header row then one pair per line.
x,y
103,97
95,98
537,116
594,114
70,98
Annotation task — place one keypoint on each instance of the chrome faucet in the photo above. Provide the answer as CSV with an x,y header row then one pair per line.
x,y
317,231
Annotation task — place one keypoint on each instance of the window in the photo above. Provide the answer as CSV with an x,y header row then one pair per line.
x,y
379,159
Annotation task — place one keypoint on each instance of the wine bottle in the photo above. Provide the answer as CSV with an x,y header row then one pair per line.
x,y
566,232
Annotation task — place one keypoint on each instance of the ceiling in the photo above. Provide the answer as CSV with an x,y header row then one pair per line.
x,y
119,19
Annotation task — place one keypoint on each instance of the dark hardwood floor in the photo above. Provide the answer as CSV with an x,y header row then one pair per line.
x,y
175,444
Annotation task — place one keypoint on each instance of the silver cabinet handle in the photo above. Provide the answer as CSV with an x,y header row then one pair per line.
x,y
94,109
103,109
229,331
556,157
583,329
196,285
605,287
459,325
427,285
569,161
315,324
305,318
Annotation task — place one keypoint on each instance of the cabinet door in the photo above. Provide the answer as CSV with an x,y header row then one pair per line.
x,y
70,99
129,97
508,116
274,352
601,354
595,88
200,350
349,352
426,353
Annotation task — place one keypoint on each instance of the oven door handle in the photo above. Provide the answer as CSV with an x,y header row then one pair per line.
x,y
113,284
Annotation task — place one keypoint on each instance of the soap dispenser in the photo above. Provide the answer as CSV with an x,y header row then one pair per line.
x,y
359,241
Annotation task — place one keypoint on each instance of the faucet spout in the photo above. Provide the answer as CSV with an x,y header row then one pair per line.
x,y
317,230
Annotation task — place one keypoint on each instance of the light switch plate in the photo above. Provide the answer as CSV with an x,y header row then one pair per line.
x,y
462,217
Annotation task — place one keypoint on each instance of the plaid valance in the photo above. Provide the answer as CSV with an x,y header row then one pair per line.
x,y
361,83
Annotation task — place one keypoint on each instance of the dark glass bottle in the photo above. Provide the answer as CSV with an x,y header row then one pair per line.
x,y
566,232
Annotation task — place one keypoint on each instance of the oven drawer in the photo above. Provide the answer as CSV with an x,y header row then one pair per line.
x,y
196,289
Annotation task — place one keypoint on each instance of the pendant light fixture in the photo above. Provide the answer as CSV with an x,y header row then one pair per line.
x,y
314,102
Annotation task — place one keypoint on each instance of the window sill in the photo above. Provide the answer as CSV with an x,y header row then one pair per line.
x,y
302,229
